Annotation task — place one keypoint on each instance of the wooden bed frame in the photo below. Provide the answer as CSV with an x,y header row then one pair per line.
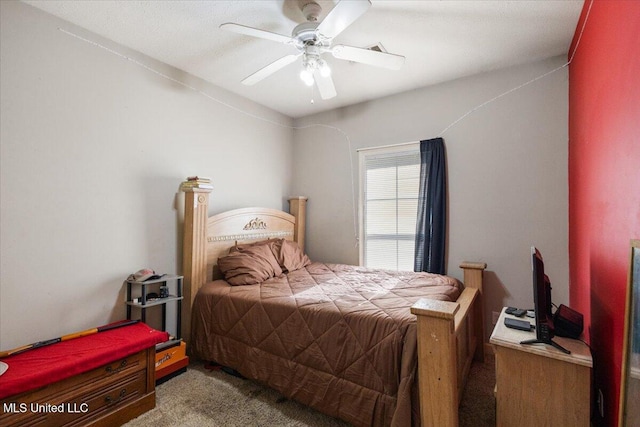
x,y
450,334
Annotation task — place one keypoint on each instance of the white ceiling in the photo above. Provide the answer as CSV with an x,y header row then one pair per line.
x,y
441,40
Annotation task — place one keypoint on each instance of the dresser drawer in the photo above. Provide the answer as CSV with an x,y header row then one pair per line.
x,y
82,399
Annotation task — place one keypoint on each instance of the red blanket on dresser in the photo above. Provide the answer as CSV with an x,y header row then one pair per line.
x,y
36,368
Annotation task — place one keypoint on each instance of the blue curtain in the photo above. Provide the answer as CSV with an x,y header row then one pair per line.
x,y
432,205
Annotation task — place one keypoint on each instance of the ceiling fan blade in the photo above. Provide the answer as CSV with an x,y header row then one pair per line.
x,y
341,16
368,56
325,85
269,69
255,32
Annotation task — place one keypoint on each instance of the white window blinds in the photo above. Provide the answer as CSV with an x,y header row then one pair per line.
x,y
389,204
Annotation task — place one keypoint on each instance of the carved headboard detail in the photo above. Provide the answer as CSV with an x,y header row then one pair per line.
x,y
255,224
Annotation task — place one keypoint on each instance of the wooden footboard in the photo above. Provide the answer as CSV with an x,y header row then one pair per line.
x,y
450,336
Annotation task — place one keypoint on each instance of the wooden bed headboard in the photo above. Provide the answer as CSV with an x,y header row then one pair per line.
x,y
208,238
243,226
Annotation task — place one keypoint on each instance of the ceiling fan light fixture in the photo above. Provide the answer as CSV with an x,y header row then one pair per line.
x,y
324,69
312,39
306,75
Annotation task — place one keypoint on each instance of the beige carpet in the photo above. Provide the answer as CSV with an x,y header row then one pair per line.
x,y
478,406
200,397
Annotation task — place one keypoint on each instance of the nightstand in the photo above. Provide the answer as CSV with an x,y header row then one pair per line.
x,y
538,385
171,358
143,302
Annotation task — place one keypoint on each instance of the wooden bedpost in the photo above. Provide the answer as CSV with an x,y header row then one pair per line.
x,y
298,208
450,335
437,368
473,279
196,203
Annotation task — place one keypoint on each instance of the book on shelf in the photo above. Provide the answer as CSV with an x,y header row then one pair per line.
x,y
197,184
199,179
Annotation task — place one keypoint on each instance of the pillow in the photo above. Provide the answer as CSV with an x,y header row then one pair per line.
x,y
290,256
252,265
240,248
287,253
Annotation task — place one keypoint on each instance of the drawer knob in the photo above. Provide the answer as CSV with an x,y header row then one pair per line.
x,y
112,401
110,369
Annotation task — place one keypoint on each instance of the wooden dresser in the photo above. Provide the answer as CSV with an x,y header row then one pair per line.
x,y
106,396
538,385
105,379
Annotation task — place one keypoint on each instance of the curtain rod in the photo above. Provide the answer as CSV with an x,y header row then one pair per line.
x,y
388,146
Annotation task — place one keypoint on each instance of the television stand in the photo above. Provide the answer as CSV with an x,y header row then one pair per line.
x,y
537,385
550,342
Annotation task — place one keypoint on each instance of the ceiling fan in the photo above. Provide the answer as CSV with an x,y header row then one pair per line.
x,y
312,39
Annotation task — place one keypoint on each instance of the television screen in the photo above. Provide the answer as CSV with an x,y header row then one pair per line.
x,y
542,303
541,297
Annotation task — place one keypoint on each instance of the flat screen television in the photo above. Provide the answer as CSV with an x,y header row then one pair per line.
x,y
542,303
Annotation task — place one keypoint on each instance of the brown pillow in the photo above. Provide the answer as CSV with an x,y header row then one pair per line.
x,y
253,265
290,256
240,248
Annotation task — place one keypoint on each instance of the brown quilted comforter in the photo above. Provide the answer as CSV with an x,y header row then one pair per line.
x,y
338,338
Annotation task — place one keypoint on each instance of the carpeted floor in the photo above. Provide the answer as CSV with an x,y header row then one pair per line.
x,y
478,406
202,397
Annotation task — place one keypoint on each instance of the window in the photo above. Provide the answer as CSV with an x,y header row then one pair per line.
x,y
389,187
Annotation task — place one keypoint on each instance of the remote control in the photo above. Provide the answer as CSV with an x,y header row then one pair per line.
x,y
519,312
517,324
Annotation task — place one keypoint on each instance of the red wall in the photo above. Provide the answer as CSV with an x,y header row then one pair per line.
x,y
604,180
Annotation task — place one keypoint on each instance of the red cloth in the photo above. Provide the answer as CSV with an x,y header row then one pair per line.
x,y
45,365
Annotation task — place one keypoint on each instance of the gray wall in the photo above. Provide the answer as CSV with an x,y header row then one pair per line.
x,y
507,171
93,149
